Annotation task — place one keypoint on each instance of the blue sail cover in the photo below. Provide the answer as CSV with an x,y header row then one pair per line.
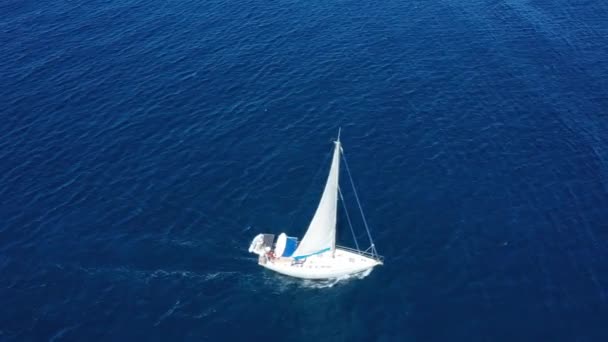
x,y
290,246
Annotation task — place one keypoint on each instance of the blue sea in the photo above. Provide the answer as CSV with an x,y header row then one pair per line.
x,y
143,144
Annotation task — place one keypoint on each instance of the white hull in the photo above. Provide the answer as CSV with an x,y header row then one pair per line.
x,y
316,255
321,266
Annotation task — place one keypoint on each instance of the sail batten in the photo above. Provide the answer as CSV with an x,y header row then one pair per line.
x,y
321,233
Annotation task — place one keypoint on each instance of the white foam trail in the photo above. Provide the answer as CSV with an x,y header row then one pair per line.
x,y
147,275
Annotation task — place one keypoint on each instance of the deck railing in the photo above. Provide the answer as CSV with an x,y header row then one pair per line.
x,y
365,253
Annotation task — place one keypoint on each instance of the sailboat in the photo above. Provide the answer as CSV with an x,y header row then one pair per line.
x,y
316,256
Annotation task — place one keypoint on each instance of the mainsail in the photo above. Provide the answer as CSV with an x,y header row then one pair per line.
x,y
321,233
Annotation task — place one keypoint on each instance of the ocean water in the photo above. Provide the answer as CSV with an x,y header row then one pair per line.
x,y
144,143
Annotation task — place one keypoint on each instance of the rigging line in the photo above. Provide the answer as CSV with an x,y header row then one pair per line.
x,y
348,219
308,189
369,235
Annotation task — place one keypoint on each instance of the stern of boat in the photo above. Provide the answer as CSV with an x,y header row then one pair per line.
x,y
261,244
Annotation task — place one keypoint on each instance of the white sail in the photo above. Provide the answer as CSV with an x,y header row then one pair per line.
x,y
321,233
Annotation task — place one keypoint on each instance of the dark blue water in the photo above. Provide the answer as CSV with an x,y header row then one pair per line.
x,y
144,143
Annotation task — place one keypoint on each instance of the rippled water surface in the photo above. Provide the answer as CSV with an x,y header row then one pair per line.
x,y
144,143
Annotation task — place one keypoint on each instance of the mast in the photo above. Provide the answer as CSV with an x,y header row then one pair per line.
x,y
339,149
